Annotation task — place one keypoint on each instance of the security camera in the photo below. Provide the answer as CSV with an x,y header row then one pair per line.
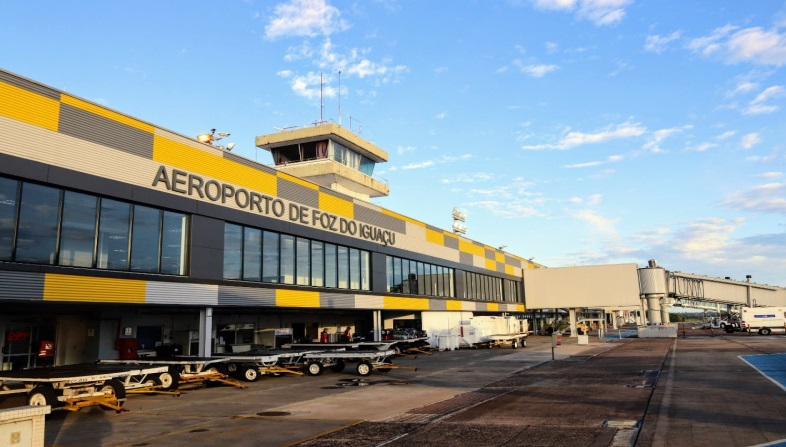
x,y
223,134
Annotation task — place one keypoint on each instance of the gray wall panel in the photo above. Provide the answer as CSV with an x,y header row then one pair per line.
x,y
467,260
246,296
437,304
490,254
451,242
297,193
27,84
21,286
89,183
14,166
336,301
87,126
205,263
378,219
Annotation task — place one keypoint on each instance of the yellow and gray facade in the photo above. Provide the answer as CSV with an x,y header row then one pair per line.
x,y
109,224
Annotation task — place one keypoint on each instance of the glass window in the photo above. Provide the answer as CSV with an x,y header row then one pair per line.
x,y
421,281
113,232
39,215
302,251
145,239
451,278
331,266
343,267
405,276
287,259
174,241
389,272
233,250
365,269
317,264
427,279
354,268
78,230
397,275
270,257
8,199
252,254
440,286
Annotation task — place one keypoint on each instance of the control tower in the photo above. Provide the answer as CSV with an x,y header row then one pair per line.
x,y
330,156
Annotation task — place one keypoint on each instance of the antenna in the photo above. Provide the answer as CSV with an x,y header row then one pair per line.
x,y
321,102
339,97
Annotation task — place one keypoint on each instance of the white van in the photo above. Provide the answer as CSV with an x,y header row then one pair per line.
x,y
763,319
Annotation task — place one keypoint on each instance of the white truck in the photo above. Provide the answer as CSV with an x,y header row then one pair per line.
x,y
763,319
492,331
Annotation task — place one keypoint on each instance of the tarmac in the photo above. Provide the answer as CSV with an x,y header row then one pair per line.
x,y
704,388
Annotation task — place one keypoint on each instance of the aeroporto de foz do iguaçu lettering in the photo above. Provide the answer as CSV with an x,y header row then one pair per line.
x,y
191,184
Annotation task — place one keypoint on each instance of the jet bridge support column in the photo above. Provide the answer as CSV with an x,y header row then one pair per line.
x,y
572,317
653,287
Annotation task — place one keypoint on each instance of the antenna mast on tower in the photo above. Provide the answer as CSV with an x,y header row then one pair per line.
x,y
339,97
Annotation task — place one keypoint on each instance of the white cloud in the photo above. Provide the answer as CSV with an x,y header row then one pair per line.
x,y
404,149
750,140
475,177
769,175
441,115
573,139
592,164
758,105
766,198
421,165
654,140
599,12
305,18
701,147
726,135
537,71
733,45
551,47
598,222
658,44
743,87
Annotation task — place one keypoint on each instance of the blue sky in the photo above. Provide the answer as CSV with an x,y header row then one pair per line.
x,y
576,132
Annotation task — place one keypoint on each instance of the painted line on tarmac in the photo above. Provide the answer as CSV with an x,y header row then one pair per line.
x,y
771,366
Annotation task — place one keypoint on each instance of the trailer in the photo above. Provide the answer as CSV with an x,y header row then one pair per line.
x,y
492,331
208,371
763,319
407,347
73,387
367,361
250,365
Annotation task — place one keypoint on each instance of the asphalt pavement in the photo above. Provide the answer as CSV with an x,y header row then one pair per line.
x,y
705,388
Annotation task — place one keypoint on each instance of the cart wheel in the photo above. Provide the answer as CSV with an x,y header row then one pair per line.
x,y
515,344
364,368
250,374
765,331
115,388
215,369
42,395
169,380
488,345
314,368
339,366
232,368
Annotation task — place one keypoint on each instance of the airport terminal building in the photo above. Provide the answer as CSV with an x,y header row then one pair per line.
x,y
119,236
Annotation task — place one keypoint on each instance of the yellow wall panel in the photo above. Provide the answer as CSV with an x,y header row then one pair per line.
x,y
106,113
435,237
491,264
492,307
499,256
509,270
454,305
392,302
520,308
92,289
297,298
332,204
23,105
197,161
469,247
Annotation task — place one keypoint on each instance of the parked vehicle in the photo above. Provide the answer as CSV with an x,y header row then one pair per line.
x,y
763,319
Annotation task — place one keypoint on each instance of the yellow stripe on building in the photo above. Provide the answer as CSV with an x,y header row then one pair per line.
x,y
93,290
22,105
435,237
492,307
520,308
499,256
106,113
334,205
469,247
197,161
402,303
297,298
509,269
453,305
